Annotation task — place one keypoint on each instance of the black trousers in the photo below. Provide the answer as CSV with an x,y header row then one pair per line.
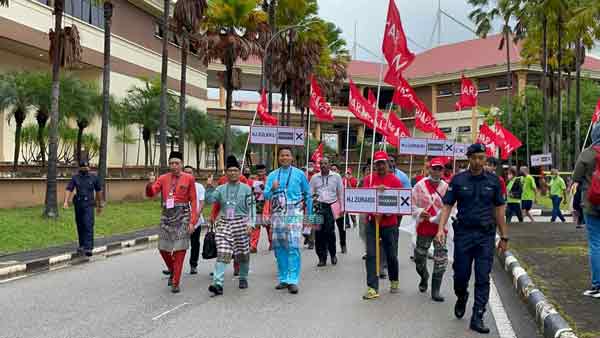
x,y
84,217
389,243
514,209
342,229
325,234
195,247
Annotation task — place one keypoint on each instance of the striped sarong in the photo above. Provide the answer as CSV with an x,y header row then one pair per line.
x,y
232,239
287,226
173,232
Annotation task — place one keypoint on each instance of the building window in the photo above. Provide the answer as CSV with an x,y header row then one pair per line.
x,y
502,85
84,10
483,87
445,91
209,158
464,129
446,130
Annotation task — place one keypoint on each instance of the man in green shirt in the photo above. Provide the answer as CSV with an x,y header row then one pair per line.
x,y
529,190
514,190
558,190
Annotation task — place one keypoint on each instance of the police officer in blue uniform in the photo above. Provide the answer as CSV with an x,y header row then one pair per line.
x,y
85,185
481,206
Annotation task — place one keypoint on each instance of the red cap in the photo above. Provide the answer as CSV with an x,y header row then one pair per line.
x,y
436,162
380,155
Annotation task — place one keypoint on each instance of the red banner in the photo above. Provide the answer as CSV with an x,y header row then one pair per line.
x,y
317,156
358,105
404,96
262,111
317,104
395,48
488,138
395,129
511,142
424,119
468,94
372,99
596,115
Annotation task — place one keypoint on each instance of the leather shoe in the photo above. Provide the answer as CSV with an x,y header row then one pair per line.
x,y
166,272
175,289
293,289
243,284
334,260
460,307
193,271
281,286
321,263
344,249
477,323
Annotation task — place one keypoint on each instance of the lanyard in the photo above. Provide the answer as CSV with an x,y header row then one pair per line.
x,y
325,182
173,184
236,193
288,179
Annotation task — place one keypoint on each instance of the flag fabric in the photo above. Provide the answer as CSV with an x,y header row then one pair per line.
x,y
596,115
511,142
395,129
358,105
372,99
262,111
424,119
395,47
317,156
468,94
404,95
488,138
317,104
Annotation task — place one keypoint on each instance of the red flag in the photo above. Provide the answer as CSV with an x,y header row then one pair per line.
x,y
317,156
511,142
372,99
404,96
395,129
468,94
263,114
395,48
596,115
488,138
358,105
317,104
424,119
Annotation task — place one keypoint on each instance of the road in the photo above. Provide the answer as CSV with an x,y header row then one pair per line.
x,y
127,296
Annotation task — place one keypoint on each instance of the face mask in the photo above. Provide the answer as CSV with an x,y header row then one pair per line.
x,y
435,180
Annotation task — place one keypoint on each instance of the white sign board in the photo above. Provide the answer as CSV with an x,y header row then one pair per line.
x,y
541,160
369,200
413,146
277,135
436,147
360,200
263,135
460,151
449,148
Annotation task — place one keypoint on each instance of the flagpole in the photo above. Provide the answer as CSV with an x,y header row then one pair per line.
x,y
347,151
377,217
307,142
248,139
385,128
474,123
454,155
361,153
410,165
587,135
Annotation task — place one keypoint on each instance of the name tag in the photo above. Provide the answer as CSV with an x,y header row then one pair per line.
x,y
170,203
230,213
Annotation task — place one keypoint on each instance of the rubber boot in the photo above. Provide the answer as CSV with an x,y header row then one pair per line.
x,y
436,284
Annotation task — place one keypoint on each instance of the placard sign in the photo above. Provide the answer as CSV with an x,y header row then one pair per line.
x,y
460,151
277,135
369,200
541,160
449,148
436,147
413,146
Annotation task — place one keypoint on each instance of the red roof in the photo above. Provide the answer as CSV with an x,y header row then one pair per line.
x,y
453,58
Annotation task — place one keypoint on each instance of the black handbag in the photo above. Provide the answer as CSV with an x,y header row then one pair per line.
x,y
209,245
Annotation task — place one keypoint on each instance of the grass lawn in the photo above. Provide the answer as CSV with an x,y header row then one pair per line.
x,y
25,228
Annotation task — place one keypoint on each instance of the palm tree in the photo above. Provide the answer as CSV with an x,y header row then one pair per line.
x,y
121,118
16,96
102,164
235,29
3,3
187,15
202,129
40,84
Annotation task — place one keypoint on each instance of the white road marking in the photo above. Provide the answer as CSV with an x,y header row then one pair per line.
x,y
169,311
59,259
13,279
505,329
13,269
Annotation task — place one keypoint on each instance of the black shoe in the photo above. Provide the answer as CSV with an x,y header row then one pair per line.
x,y
281,286
236,273
175,289
334,260
170,282
423,284
88,253
293,289
364,257
243,284
477,323
321,263
216,290
344,249
382,275
311,246
166,272
193,271
460,306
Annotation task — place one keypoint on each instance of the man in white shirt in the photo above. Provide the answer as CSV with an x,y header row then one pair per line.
x,y
326,187
195,237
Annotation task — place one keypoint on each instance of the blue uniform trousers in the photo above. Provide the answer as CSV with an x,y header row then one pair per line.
x,y
475,245
84,217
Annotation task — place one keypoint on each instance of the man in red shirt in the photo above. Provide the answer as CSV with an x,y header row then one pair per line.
x,y
382,179
490,167
179,215
258,186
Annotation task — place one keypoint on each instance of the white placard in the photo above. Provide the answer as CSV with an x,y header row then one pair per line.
x,y
413,146
541,160
387,202
299,136
286,136
449,148
405,201
263,135
435,147
360,200
460,151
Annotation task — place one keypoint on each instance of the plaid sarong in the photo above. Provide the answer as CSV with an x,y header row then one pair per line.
x,y
232,239
287,226
173,232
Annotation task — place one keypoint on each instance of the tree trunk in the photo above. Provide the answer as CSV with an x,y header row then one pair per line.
x,y
124,154
509,82
559,88
272,24
569,124
289,103
19,124
578,62
283,96
103,161
163,88
147,154
197,156
552,129
78,144
184,52
545,87
229,89
51,207
42,118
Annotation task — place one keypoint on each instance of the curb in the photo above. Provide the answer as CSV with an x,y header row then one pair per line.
x,y
23,269
550,323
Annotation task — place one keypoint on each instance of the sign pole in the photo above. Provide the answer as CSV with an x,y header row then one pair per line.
x,y
347,151
248,140
587,135
375,119
361,153
411,156
377,246
307,142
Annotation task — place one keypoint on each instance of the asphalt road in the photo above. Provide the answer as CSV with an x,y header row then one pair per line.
x,y
127,296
